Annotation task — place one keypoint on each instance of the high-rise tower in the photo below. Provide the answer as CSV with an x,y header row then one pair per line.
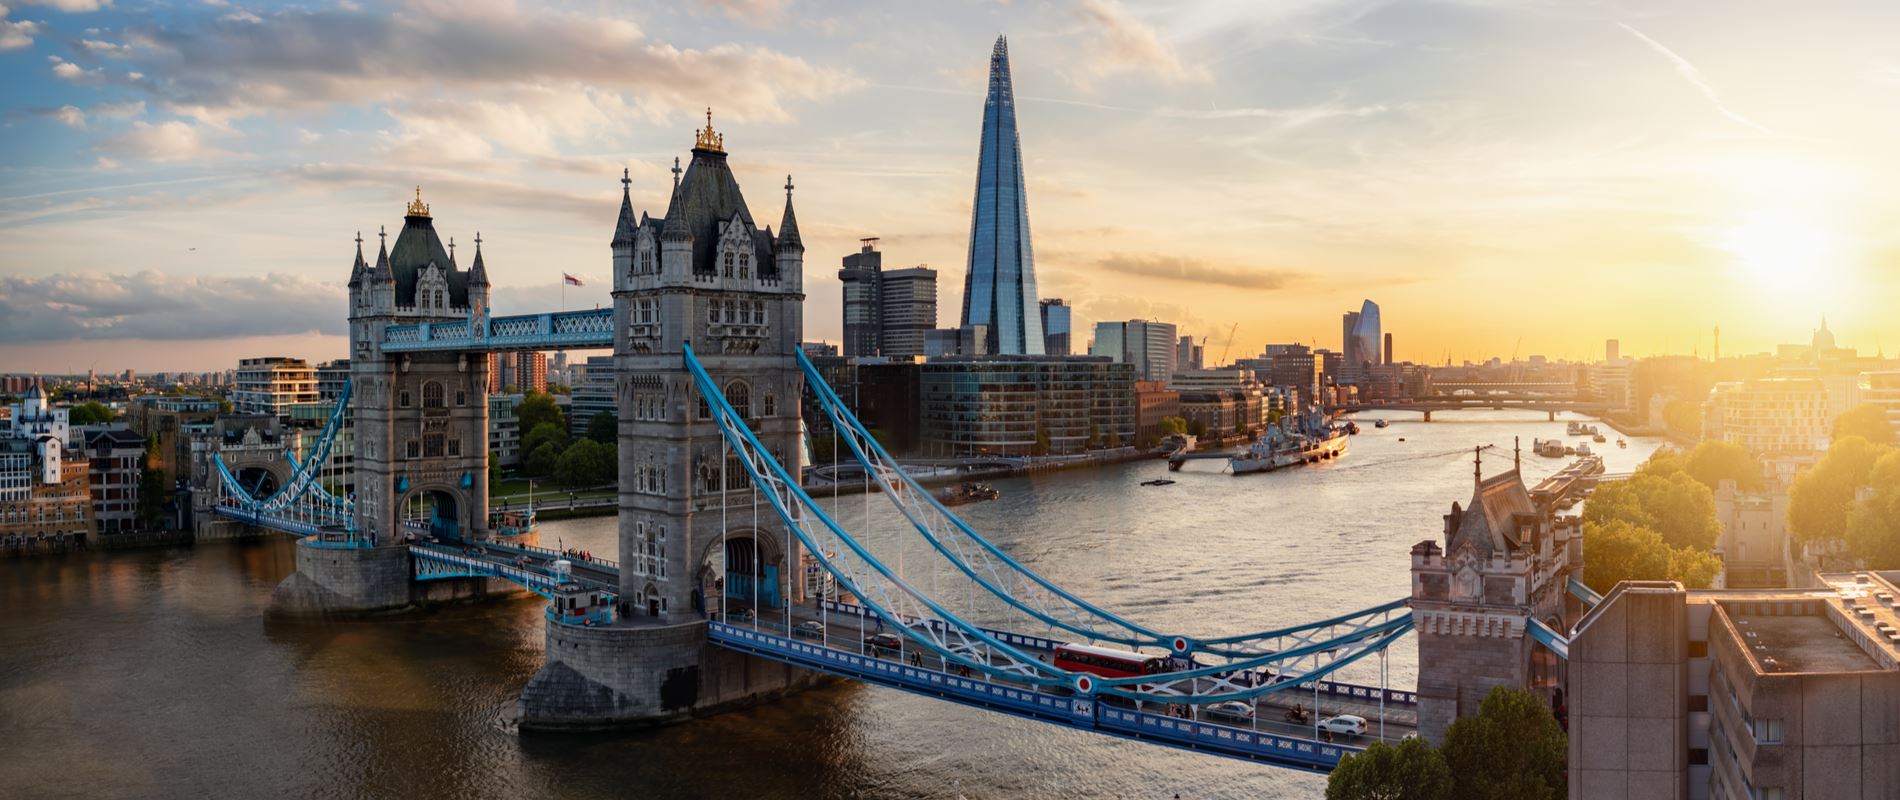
x,y
999,290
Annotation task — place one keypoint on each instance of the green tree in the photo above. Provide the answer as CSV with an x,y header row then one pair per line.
x,y
1873,526
603,427
1512,749
559,388
1664,463
585,463
1678,507
1274,415
153,488
1411,770
494,468
541,460
1173,426
1712,462
538,408
546,433
1197,428
1042,440
1823,497
93,413
1868,421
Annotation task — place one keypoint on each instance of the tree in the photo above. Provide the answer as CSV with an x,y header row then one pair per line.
x,y
1512,749
1411,770
1683,416
1197,428
1678,507
586,463
543,434
494,467
1621,551
153,488
1868,421
1173,426
538,408
1822,498
559,388
93,413
1114,440
541,460
1712,462
603,427
1042,441
1873,526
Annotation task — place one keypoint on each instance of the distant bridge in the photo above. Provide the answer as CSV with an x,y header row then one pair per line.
x,y
1427,405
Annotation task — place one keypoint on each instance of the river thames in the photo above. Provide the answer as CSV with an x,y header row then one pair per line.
x,y
153,673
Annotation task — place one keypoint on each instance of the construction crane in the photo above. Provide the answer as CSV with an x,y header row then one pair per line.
x,y
1230,343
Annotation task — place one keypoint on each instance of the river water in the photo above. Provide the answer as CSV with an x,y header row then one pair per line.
x,y
153,673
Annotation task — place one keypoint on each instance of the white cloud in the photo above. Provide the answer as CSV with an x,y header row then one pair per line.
x,y
158,306
174,140
15,35
107,163
71,116
241,15
72,6
67,70
125,110
1123,43
104,48
1689,73
306,136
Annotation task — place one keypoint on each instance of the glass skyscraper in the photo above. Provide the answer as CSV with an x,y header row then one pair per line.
x,y
1360,331
999,290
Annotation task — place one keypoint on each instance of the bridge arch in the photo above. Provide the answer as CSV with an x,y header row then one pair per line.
x,y
438,510
749,565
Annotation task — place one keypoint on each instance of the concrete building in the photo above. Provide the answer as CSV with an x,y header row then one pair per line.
x,y
1754,538
272,385
332,376
504,429
1057,325
1025,405
592,393
908,311
863,296
1148,345
1769,415
1736,694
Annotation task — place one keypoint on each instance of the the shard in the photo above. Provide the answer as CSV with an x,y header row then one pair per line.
x,y
999,290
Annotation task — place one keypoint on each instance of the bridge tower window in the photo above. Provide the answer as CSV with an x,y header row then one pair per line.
x,y
771,405
433,445
745,265
414,448
402,398
740,396
432,395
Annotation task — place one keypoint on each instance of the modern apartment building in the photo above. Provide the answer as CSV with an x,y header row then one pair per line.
x,y
525,372
272,385
908,309
504,429
1769,415
592,393
332,376
1149,346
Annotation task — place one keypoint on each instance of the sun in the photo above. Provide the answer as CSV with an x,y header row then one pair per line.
x,y
1784,252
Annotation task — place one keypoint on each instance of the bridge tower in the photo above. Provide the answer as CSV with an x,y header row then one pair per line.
x,y
420,423
1506,559
691,538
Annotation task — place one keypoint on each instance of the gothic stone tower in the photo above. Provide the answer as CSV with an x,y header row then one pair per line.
x,y
420,423
706,274
1506,559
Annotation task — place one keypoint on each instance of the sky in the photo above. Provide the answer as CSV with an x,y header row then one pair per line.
x,y
181,182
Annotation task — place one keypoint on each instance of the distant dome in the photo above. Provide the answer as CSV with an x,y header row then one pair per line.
x,y
1823,338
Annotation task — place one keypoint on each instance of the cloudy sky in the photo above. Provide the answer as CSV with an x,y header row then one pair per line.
x,y
180,182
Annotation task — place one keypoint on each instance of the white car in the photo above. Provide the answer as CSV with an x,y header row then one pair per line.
x,y
1232,709
1347,724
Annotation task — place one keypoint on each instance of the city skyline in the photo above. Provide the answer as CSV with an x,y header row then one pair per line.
x,y
164,215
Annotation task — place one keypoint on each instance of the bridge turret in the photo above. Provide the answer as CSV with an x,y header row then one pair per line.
x,y
790,247
626,229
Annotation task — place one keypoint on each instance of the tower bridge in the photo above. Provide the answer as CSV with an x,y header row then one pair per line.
x,y
705,607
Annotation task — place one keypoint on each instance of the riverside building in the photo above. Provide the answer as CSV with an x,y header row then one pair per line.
x,y
273,385
1025,406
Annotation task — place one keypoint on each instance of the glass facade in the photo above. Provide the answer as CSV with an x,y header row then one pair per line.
x,y
1055,327
1025,406
999,289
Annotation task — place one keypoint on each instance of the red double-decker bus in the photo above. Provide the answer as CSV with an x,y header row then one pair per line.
x,y
1107,662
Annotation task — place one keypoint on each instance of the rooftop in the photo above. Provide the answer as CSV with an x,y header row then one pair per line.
x,y
1799,643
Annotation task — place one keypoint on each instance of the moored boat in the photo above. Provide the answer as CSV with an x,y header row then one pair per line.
x,y
1309,439
967,493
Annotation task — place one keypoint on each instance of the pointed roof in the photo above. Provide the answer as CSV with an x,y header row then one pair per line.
x,y
418,246
360,267
788,227
625,225
33,390
477,272
380,272
1490,524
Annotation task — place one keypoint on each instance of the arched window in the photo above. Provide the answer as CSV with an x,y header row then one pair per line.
x,y
771,405
705,411
728,264
745,265
432,395
740,396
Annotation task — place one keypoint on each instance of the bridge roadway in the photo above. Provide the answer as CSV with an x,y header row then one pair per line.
x,y
846,648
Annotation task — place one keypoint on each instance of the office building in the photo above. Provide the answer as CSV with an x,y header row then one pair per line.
x,y
999,289
1187,354
1056,326
1724,694
272,385
1361,339
1025,405
1154,402
517,372
863,296
504,429
1149,346
592,393
969,340
113,454
1612,350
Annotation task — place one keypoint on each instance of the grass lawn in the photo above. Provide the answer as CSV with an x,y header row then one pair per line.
x,y
515,489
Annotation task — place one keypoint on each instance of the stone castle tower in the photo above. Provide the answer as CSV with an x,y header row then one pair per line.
x,y
707,274
421,419
1506,560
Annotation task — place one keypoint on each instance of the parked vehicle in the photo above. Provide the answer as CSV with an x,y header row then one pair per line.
x,y
883,641
814,630
1232,709
1347,724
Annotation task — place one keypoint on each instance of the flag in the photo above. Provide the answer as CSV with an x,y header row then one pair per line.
x,y
566,278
